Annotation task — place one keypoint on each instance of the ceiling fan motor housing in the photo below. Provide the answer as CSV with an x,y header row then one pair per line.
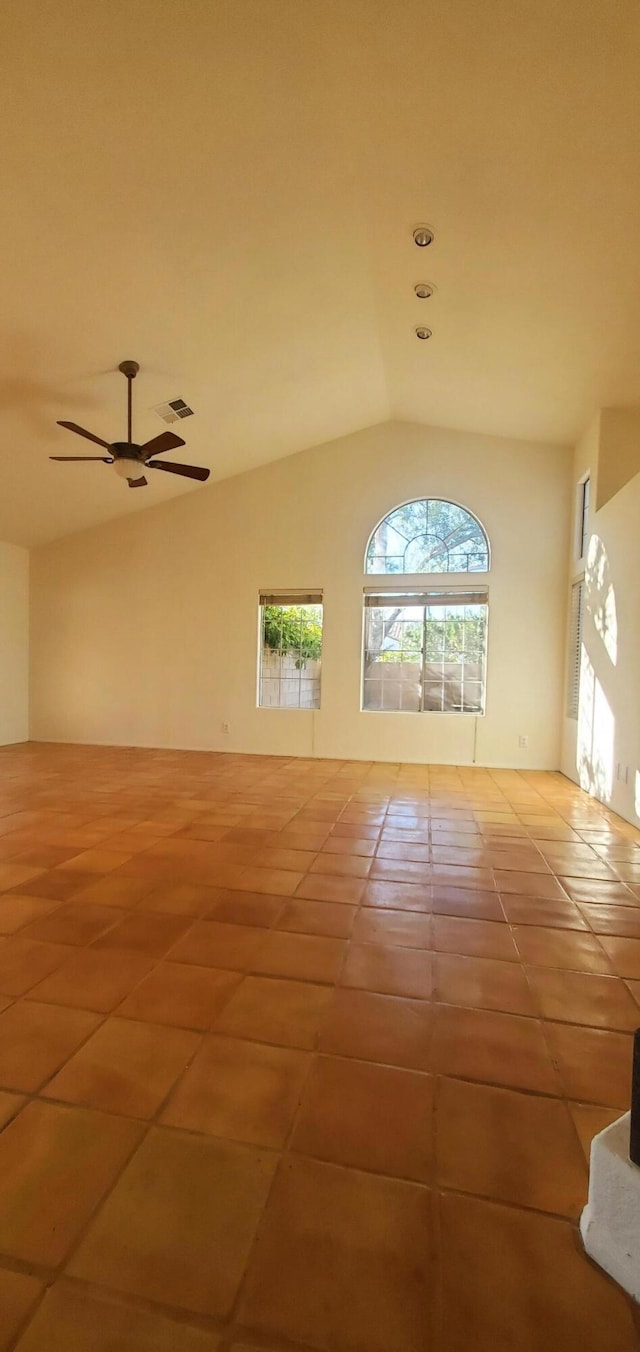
x,y
128,450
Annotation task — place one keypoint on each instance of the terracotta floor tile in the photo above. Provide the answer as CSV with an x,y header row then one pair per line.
x,y
306,957
246,908
18,1295
92,979
96,861
75,923
512,1147
399,928
190,899
590,889
341,865
605,918
120,892
73,1320
13,875
211,943
502,1049
267,1010
456,875
475,938
316,887
35,1039
391,971
18,911
296,861
399,896
10,1104
570,949
537,911
181,995
331,918
400,871
56,885
180,1195
528,884
517,1280
367,1116
382,1028
589,1121
342,1260
624,955
245,1091
275,881
466,902
338,843
55,1165
594,1064
481,983
143,932
126,1067
579,997
300,839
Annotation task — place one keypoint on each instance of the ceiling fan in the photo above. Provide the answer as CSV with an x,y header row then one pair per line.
x,y
129,459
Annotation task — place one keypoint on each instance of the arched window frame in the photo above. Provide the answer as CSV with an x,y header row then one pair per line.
x,y
449,573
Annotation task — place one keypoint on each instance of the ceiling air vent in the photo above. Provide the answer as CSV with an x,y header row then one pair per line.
x,y
176,408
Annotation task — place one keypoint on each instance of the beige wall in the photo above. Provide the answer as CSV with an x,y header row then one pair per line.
x,y
144,631
601,749
14,644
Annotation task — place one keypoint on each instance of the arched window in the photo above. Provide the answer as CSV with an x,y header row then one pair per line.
x,y
429,535
425,642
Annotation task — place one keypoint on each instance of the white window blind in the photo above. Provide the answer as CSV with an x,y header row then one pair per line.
x,y
575,649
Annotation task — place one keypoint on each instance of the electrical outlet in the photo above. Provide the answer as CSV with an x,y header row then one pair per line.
x,y
523,740
225,726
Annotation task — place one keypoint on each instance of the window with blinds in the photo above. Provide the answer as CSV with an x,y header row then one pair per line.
x,y
290,650
425,651
575,649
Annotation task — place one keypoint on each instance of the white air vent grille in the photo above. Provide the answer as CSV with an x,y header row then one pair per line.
x,y
173,410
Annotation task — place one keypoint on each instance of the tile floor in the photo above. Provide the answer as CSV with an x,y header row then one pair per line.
x,y
306,1055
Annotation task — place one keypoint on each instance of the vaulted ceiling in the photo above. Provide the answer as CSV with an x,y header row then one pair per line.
x,y
225,190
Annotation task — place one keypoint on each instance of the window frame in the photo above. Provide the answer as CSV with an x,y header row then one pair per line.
x,y
286,599
440,585
583,512
407,502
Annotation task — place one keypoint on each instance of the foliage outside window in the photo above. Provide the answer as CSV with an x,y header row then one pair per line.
x,y
425,653
290,651
428,536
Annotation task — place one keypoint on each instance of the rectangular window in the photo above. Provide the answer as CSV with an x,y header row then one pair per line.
x,y
290,650
584,490
575,649
425,652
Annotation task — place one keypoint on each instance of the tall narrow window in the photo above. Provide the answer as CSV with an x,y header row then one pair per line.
x,y
290,650
425,652
584,490
575,649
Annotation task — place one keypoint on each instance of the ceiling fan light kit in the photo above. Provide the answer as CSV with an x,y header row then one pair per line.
x,y
129,459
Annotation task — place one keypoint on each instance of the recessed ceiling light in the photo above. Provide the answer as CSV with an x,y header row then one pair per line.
x,y
423,235
424,289
423,333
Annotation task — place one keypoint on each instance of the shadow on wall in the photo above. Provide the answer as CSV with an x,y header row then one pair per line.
x,y
596,718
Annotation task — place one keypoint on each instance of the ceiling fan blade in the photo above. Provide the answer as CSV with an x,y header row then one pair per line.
x,y
167,441
101,459
137,483
188,471
82,432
